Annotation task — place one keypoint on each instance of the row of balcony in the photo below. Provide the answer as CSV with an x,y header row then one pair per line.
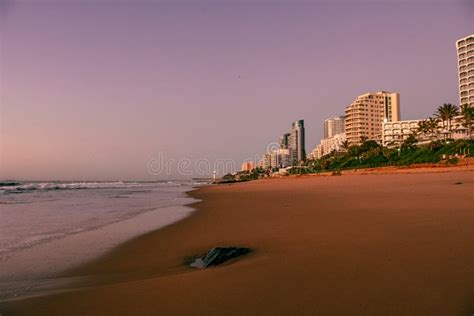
x,y
466,48
466,86
363,126
467,67
361,108
397,133
465,93
467,61
466,99
362,121
362,111
464,55
466,41
398,128
357,128
466,80
363,116
403,126
366,106
466,73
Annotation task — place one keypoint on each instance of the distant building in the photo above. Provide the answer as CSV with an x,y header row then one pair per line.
x,y
317,153
284,157
297,142
274,159
280,158
333,143
365,116
328,145
266,161
394,133
248,166
333,126
465,53
284,141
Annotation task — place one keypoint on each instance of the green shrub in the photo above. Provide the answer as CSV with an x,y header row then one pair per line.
x,y
452,161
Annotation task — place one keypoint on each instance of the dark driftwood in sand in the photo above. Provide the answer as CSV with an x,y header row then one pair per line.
x,y
218,255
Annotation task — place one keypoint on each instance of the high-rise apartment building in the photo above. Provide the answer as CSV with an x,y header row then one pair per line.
x,y
297,142
265,162
280,158
365,116
284,141
333,126
465,52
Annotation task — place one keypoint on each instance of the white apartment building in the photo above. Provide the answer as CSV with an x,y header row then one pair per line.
x,y
265,162
333,143
328,145
394,133
317,153
365,116
333,126
465,53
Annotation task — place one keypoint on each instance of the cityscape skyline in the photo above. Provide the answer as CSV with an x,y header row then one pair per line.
x,y
376,117
96,109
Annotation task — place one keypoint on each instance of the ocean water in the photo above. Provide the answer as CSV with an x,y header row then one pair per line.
x,y
47,227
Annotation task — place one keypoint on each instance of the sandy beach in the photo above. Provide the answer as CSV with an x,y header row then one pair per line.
x,y
377,244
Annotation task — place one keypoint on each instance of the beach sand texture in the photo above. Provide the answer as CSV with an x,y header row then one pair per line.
x,y
387,244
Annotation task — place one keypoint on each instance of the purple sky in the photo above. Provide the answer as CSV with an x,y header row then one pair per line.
x,y
95,89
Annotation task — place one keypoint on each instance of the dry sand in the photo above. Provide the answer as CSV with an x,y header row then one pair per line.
x,y
391,244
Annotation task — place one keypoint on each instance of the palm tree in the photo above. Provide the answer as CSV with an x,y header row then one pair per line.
x,y
363,139
409,143
446,113
467,118
432,126
345,144
422,127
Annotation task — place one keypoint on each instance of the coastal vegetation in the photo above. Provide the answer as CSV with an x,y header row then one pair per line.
x,y
243,176
369,154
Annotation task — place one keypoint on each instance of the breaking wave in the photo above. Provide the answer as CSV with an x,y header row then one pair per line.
x,y
18,187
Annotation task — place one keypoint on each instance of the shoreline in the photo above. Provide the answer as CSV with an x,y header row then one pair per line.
x,y
151,264
44,267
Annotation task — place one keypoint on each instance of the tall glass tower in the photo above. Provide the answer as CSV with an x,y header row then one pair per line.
x,y
297,142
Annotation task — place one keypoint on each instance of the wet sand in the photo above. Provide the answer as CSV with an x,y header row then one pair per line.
x,y
385,244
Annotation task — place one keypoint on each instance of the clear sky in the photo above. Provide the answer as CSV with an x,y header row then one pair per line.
x,y
95,89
